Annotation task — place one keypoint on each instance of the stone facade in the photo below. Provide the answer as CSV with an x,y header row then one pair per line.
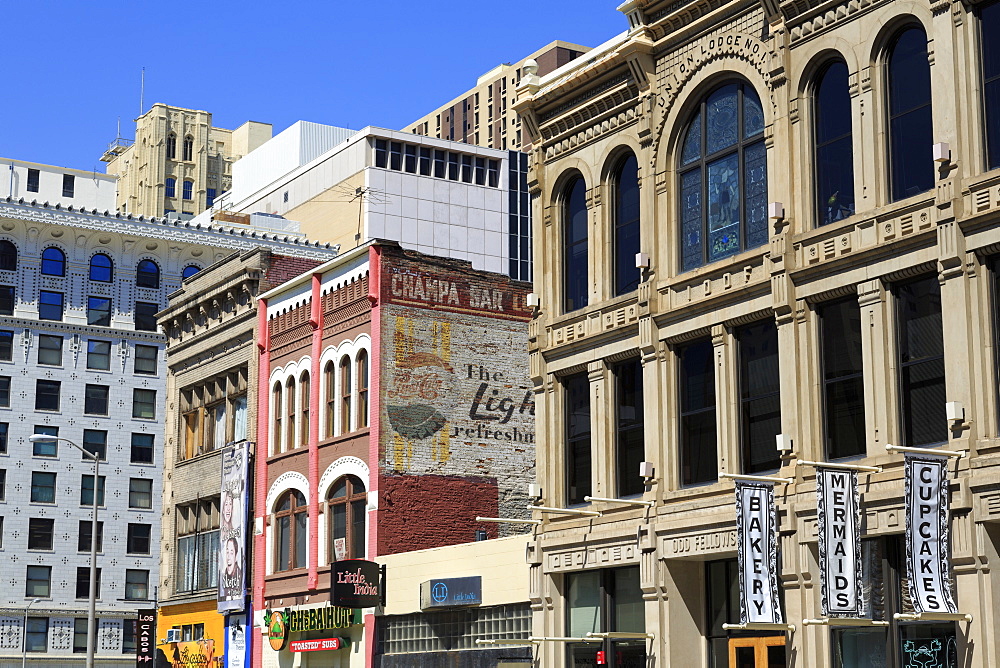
x,y
638,95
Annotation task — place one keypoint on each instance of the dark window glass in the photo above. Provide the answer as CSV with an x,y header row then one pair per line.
x,y
50,349
145,359
138,540
142,449
128,636
626,212
83,582
187,190
210,197
630,446
4,390
291,519
171,146
439,164
144,404
911,168
575,234
480,171
493,173
453,166
50,305
47,395
45,448
722,595
188,148
3,495
396,156
43,487
723,177
834,150
578,457
101,268
921,362
990,44
699,457
53,262
425,161
140,493
346,500
410,159
80,635
136,585
190,271
381,153
760,406
605,601
96,399
147,274
40,533
8,256
3,438
466,169
36,633
145,316
84,532
87,490
170,187
32,184
69,185
6,345
99,355
6,300
38,582
99,311
843,382
95,441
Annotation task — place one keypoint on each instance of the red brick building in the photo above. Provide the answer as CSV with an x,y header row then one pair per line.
x,y
394,407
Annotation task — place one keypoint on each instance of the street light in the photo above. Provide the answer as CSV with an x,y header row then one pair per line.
x,y
92,611
24,639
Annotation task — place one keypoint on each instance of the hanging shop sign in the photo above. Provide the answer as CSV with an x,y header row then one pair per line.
x,y
449,592
317,645
928,567
145,637
839,515
281,623
356,583
237,647
193,654
232,533
757,549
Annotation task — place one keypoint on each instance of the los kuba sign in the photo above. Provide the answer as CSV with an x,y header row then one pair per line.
x,y
356,583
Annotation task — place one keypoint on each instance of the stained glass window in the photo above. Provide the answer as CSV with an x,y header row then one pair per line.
x,y
723,180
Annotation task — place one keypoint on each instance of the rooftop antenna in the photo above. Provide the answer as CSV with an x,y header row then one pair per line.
x,y
142,90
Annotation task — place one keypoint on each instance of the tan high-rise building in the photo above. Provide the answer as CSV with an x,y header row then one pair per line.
x,y
179,162
483,115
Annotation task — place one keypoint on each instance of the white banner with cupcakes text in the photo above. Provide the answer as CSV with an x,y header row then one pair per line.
x,y
928,563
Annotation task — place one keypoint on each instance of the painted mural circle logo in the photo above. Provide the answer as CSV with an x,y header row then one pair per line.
x,y
277,631
439,592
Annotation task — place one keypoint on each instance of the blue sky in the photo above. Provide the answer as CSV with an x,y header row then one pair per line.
x,y
73,67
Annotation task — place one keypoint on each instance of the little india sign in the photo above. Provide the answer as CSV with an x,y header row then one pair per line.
x,y
356,583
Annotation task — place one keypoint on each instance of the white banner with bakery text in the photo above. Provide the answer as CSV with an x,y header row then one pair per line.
x,y
928,563
757,549
839,516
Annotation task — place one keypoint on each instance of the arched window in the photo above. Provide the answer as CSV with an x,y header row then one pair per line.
x,y
187,190
346,502
170,187
147,274
8,256
908,74
361,364
171,147
626,221
188,148
990,41
101,268
304,409
289,439
276,411
574,212
723,177
345,394
329,378
190,271
53,262
290,529
834,148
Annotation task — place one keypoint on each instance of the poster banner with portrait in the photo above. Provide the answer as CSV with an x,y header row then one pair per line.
x,y
839,516
757,552
928,567
237,641
232,528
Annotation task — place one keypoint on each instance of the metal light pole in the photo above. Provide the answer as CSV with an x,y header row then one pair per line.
x,y
24,639
92,609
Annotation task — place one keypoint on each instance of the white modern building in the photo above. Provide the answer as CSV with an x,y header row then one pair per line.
x,y
34,182
81,358
439,197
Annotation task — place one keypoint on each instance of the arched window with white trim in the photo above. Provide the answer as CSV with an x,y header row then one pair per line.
x,y
345,394
361,371
291,522
346,507
304,409
289,436
330,399
277,406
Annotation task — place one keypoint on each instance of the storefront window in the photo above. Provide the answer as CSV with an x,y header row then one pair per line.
x,y
603,601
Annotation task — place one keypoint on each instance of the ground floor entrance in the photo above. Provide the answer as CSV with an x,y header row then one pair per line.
x,y
757,652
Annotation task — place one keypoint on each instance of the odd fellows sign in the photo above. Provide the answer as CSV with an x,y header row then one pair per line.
x,y
927,563
839,517
757,550
356,583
